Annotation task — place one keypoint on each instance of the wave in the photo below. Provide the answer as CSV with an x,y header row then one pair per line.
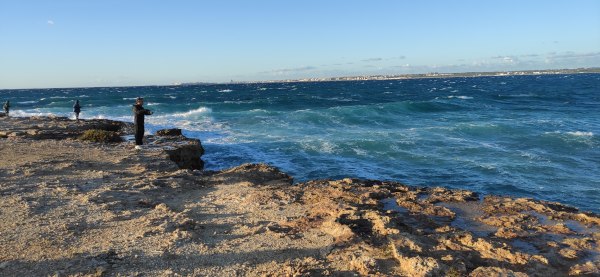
x,y
225,90
460,97
573,133
426,107
25,113
581,134
27,102
198,111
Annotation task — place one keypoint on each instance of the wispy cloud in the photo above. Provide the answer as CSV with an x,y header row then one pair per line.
x,y
372,60
383,59
283,71
50,22
573,55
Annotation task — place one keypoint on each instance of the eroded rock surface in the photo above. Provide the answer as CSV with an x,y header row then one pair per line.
x,y
52,127
74,208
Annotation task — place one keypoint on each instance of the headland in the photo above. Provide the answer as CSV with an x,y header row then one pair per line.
x,y
71,207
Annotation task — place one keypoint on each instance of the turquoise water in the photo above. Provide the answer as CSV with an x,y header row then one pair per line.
x,y
533,136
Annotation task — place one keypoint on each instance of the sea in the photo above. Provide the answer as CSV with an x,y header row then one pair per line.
x,y
525,136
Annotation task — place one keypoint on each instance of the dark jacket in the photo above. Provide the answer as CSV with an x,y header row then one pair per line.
x,y
138,118
76,108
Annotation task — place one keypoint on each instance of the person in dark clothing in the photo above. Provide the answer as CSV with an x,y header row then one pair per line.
x,y
138,119
77,109
6,107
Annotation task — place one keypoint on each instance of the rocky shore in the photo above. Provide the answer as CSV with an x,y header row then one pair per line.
x,y
70,207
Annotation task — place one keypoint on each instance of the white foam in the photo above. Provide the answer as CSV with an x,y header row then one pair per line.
x,y
460,97
28,113
581,134
198,111
225,90
27,102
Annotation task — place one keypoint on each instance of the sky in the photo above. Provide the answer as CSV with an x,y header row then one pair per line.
x,y
75,43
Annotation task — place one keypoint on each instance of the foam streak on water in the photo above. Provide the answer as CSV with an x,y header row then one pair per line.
x,y
534,136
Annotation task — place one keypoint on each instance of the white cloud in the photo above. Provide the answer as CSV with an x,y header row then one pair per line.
x,y
50,22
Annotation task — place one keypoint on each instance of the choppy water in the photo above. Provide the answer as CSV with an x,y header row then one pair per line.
x,y
534,136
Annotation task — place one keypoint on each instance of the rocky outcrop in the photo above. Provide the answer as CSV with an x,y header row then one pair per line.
x,y
120,211
52,127
169,132
185,152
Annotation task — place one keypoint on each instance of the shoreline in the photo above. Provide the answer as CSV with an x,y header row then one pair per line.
x,y
73,207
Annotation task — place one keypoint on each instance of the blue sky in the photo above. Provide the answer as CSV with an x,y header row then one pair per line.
x,y
78,43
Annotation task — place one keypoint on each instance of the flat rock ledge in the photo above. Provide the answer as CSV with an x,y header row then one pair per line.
x,y
117,211
185,152
53,127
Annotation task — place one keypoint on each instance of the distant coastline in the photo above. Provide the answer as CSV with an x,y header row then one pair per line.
x,y
416,76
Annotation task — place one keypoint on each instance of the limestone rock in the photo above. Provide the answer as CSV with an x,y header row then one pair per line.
x,y
483,271
419,266
169,132
187,155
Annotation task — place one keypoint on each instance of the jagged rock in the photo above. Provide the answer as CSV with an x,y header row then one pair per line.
x,y
187,154
419,266
439,194
169,132
588,269
568,253
259,174
484,271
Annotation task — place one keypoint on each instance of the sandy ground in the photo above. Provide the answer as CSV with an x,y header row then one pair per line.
x,y
73,208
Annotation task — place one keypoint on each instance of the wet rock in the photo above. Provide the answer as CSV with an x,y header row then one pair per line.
x,y
169,132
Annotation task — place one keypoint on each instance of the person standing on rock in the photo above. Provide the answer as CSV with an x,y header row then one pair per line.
x,y
6,107
77,109
138,119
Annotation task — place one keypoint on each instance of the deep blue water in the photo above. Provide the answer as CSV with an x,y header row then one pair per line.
x,y
533,136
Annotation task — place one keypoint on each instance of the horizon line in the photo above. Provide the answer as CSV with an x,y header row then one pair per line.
x,y
339,78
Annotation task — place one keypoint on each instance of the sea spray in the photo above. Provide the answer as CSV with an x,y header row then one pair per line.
x,y
532,136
